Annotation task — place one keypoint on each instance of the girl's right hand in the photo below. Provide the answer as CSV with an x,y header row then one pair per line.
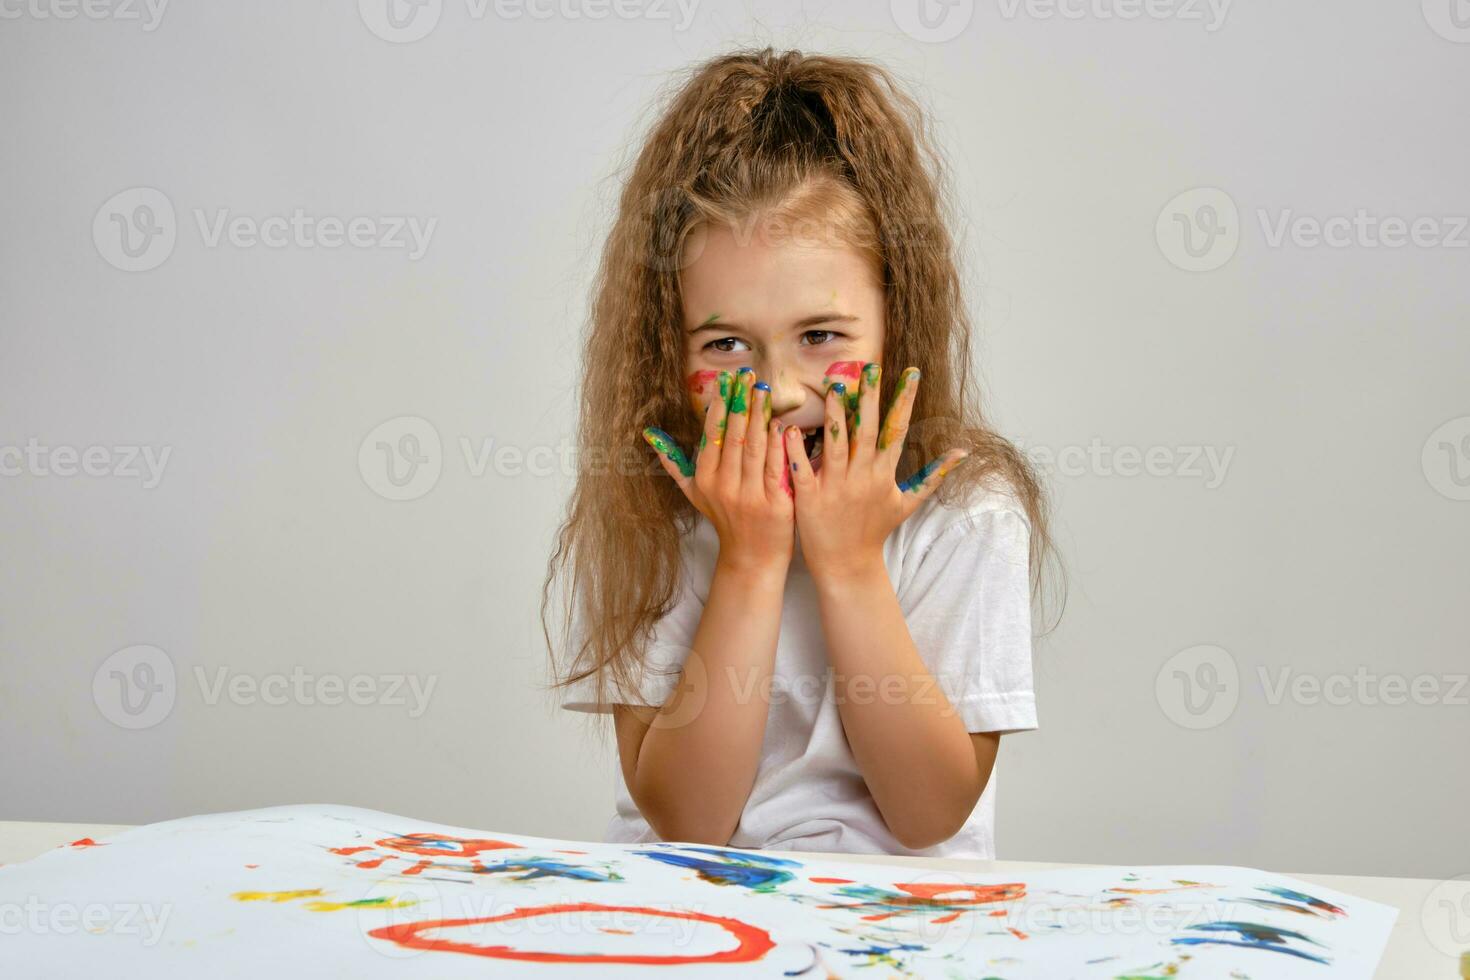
x,y
741,477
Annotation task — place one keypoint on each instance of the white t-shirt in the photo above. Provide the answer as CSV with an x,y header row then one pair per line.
x,y
961,578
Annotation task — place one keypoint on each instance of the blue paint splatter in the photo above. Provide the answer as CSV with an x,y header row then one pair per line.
x,y
1251,937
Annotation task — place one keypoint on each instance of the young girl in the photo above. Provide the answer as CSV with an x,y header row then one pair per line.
x,y
807,639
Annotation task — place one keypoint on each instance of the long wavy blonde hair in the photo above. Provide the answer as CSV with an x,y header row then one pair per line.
x,y
828,139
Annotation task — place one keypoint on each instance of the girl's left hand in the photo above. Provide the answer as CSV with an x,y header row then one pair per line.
x,y
846,509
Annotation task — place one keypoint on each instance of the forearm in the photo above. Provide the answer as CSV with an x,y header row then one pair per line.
x,y
908,740
699,758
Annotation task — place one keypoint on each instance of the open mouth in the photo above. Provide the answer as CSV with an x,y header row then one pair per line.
x,y
812,442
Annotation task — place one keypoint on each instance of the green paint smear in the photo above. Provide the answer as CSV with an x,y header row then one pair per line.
x,y
738,405
662,442
912,374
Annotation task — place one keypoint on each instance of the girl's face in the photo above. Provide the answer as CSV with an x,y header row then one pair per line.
x,y
801,314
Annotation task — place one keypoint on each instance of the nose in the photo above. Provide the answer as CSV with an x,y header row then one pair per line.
x,y
787,391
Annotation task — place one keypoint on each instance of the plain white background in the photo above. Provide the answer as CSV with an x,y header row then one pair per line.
x,y
1223,686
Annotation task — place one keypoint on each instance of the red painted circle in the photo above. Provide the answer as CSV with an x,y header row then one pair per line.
x,y
753,943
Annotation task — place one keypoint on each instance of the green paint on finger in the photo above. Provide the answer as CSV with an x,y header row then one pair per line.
x,y
738,404
909,376
664,444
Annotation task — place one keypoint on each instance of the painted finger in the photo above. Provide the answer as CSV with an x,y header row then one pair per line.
x,y
834,430
712,439
778,466
675,463
928,477
802,478
732,462
900,410
754,464
863,433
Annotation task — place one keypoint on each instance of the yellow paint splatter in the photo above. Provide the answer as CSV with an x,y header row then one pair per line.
x,y
362,903
276,896
321,905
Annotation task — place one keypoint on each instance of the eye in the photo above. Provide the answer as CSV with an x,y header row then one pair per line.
x,y
721,344
825,335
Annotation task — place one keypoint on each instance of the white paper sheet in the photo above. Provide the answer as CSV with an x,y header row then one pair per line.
x,y
328,891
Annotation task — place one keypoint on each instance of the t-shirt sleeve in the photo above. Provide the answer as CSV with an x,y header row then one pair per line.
x,y
968,608
668,648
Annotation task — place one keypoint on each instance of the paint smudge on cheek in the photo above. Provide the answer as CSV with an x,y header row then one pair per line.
x,y
703,386
849,373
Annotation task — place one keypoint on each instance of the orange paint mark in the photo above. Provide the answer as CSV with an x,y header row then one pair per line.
x,y
564,851
1017,933
998,914
1184,886
374,863
951,917
349,850
968,894
85,842
419,867
832,881
252,867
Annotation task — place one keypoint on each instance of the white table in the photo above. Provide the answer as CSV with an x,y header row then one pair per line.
x,y
1411,955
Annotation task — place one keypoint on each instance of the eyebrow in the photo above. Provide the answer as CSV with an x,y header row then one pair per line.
x,y
715,323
